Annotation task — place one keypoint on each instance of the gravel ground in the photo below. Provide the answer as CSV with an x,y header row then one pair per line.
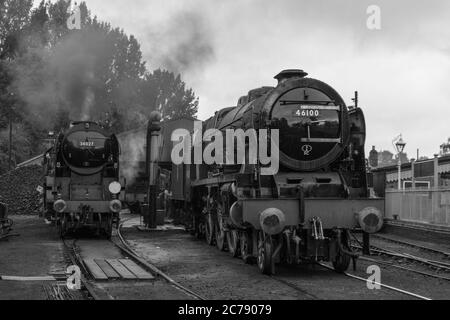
x,y
37,251
216,275
125,289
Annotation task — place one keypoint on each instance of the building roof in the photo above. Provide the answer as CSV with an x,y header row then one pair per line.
x,y
406,172
31,161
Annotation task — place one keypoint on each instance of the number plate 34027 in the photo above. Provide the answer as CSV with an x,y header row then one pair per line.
x,y
86,143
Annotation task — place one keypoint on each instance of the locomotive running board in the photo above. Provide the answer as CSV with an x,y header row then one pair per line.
x,y
333,212
340,213
322,140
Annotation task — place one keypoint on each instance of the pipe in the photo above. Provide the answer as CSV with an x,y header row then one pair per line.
x,y
342,248
277,249
288,245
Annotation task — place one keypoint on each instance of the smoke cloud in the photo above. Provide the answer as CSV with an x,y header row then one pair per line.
x,y
182,43
132,155
63,78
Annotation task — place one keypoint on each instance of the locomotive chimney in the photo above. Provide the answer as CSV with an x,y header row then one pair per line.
x,y
290,73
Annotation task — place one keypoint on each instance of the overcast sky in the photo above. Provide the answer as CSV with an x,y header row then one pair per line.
x,y
402,71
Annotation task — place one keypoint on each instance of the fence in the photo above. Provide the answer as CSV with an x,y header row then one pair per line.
x,y
419,205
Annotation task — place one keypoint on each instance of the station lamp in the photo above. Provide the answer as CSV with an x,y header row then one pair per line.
x,y
400,145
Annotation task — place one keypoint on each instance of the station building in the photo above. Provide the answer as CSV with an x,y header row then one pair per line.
x,y
423,174
424,195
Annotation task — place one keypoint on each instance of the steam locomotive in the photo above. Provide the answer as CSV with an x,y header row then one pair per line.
x,y
305,212
82,187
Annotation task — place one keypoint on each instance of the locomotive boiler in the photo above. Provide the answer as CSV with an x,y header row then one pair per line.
x,y
82,187
305,211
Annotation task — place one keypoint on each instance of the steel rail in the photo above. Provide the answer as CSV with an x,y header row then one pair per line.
x,y
76,260
4,236
431,263
405,268
383,237
378,283
295,287
127,249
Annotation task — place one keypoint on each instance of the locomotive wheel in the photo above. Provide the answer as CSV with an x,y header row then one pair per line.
x,y
233,243
342,260
209,229
221,236
63,226
109,228
196,226
265,251
245,246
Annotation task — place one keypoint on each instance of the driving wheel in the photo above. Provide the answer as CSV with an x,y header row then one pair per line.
x,y
265,252
233,243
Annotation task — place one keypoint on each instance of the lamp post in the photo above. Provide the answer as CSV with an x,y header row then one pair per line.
x,y
400,145
11,94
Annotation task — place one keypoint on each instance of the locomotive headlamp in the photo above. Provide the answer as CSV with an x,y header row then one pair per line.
x,y
59,205
370,219
114,187
272,221
115,205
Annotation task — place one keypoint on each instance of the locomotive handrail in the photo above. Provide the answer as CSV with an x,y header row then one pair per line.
x,y
323,140
320,107
287,102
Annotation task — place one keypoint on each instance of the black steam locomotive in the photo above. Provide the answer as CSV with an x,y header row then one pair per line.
x,y
305,211
82,185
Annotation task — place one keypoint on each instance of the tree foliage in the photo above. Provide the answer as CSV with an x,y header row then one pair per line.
x,y
50,75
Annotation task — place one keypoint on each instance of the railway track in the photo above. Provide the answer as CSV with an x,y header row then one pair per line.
x,y
393,265
414,245
435,265
120,242
73,253
88,280
295,287
128,250
349,275
398,290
